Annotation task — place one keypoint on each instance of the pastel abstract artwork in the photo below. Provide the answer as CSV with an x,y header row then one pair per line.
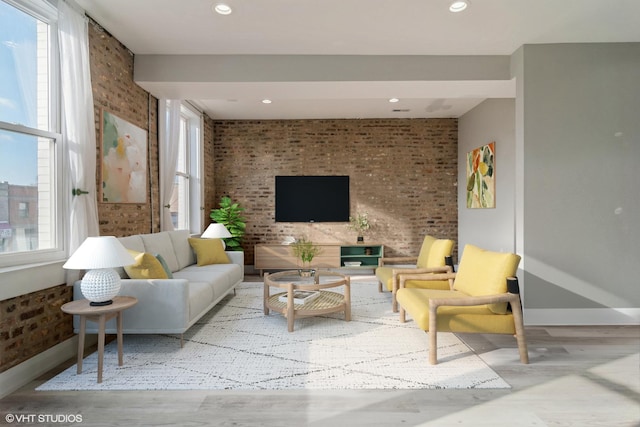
x,y
481,183
124,161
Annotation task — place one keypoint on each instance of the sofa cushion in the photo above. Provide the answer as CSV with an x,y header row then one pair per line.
x,y
221,277
200,296
184,253
209,251
134,243
483,272
160,243
146,266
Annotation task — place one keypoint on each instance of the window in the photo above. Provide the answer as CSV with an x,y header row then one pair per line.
x,y
28,134
186,213
23,210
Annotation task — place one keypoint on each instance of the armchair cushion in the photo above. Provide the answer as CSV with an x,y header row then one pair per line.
x,y
483,272
440,249
468,319
428,284
432,254
385,275
423,256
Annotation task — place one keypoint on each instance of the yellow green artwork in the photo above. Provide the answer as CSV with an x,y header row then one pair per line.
x,y
124,161
481,183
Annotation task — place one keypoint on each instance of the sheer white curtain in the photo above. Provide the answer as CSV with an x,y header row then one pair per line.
x,y
168,135
78,128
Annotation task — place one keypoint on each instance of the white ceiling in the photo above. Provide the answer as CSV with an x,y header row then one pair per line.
x,y
354,28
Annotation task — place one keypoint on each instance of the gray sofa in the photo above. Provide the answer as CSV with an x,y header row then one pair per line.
x,y
171,306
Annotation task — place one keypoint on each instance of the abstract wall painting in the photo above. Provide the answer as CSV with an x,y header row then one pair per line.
x,y
481,183
124,161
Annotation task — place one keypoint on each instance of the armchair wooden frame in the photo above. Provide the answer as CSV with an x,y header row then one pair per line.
x,y
396,260
434,303
396,272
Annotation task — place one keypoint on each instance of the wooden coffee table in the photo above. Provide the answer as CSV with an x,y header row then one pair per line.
x,y
326,302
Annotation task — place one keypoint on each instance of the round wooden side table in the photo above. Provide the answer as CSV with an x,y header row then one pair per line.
x,y
100,315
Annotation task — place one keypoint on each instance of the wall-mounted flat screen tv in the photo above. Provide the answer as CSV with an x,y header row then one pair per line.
x,y
312,198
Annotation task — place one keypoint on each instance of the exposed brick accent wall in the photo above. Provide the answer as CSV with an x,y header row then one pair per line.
x,y
210,201
402,172
115,91
32,323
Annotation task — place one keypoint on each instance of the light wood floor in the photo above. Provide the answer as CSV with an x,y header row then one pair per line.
x,y
578,376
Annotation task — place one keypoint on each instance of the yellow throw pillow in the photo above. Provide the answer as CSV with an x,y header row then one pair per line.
x,y
483,272
146,266
209,251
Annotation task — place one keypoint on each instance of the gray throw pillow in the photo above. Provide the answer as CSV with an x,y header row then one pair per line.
x,y
164,265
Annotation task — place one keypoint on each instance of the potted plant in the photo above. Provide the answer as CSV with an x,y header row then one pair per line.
x,y
360,224
229,214
305,250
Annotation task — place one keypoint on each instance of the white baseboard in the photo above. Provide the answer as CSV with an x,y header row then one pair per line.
x,y
581,316
16,377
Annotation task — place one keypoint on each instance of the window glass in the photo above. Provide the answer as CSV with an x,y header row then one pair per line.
x,y
28,138
26,192
185,199
180,195
24,69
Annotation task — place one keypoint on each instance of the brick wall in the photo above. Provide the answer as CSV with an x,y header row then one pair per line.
x,y
402,172
32,323
115,91
210,201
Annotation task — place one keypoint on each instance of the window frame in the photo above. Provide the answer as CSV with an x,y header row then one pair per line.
x,y
47,13
193,153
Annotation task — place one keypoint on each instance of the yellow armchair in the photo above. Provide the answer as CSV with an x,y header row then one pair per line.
x,y
478,301
434,257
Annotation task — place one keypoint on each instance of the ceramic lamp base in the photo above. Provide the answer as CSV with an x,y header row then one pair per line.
x,y
100,286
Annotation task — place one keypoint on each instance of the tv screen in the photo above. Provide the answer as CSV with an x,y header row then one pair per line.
x,y
312,198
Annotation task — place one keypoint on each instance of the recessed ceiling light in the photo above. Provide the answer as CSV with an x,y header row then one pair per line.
x,y
394,100
266,101
222,9
458,6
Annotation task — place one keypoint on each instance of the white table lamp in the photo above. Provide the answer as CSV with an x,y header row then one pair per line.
x,y
216,231
99,255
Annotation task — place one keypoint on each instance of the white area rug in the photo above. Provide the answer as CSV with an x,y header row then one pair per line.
x,y
235,346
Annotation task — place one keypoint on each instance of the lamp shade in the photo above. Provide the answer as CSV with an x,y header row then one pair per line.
x,y
216,231
99,255
99,252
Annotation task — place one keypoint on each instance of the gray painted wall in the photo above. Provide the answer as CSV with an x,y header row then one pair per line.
x,y
578,113
493,229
